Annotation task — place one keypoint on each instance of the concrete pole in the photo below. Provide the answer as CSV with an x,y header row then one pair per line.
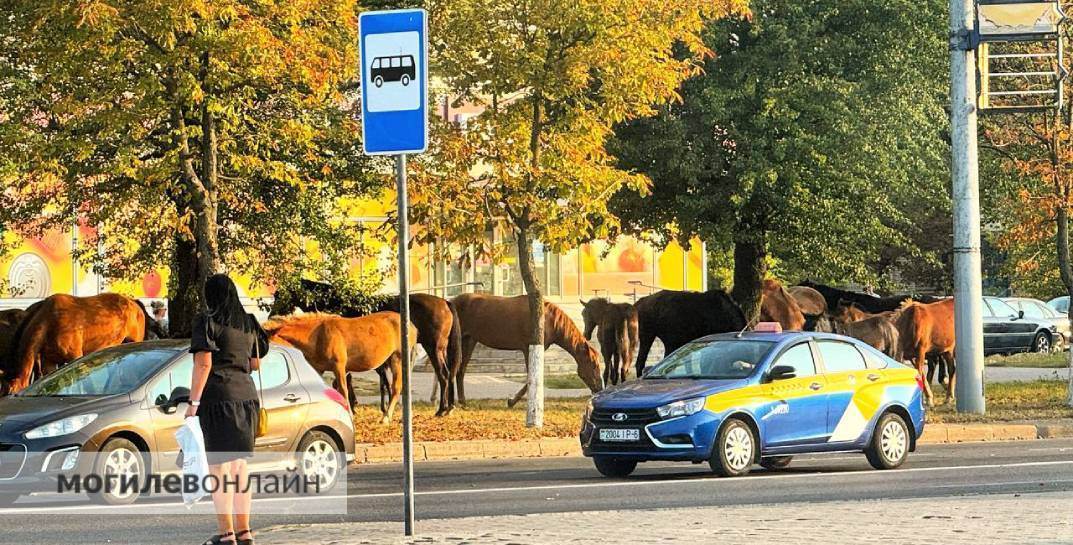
x,y
968,324
404,329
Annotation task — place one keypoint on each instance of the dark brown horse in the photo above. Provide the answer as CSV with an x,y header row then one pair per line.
x,y
503,323
9,323
617,336
677,317
878,330
343,345
438,330
63,328
867,302
928,330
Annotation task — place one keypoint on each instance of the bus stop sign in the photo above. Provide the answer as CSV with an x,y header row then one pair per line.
x,y
394,81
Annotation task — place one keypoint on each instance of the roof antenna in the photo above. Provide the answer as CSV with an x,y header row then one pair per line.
x,y
742,332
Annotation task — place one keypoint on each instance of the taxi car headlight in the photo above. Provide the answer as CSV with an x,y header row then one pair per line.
x,y
60,427
681,408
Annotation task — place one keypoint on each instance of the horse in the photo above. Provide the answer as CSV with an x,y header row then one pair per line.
x,y
63,328
777,305
810,300
342,345
928,329
618,335
503,323
9,322
867,302
677,317
878,330
435,318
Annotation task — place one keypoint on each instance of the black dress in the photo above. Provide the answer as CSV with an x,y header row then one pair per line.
x,y
229,407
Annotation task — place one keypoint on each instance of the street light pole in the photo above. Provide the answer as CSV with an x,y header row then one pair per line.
x,y
968,324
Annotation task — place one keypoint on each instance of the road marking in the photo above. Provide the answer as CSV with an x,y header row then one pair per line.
x,y
1012,483
613,484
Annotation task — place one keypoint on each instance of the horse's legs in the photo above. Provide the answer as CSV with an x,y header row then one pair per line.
x,y
623,356
438,356
921,360
468,344
642,354
521,393
610,373
395,361
951,370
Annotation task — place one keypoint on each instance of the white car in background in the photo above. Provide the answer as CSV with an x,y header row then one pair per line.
x,y
1036,309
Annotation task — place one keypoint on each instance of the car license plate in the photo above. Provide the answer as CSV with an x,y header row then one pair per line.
x,y
619,435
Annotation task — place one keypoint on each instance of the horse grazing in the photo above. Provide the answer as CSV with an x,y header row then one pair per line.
x,y
867,302
438,329
342,345
63,328
503,323
677,317
927,329
878,330
618,335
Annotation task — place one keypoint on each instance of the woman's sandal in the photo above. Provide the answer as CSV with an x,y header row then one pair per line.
x,y
247,541
218,539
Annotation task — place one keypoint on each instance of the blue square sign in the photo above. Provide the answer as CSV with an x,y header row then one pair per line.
x,y
394,81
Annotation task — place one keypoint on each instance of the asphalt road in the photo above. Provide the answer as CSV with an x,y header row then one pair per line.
x,y
492,487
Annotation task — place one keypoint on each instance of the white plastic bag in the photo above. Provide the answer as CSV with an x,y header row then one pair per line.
x,y
192,443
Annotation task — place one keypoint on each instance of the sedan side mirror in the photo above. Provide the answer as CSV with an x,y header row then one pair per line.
x,y
179,395
1020,314
781,372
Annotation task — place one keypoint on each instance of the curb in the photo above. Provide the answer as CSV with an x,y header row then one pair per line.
x,y
556,447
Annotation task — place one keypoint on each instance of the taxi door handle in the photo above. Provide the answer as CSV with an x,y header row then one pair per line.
x,y
873,377
292,398
815,385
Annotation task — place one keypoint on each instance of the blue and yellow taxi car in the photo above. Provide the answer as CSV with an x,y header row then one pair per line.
x,y
738,399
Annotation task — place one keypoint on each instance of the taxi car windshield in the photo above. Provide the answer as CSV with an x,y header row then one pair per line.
x,y
725,359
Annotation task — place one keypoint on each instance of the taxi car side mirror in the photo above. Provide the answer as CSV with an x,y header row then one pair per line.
x,y
781,372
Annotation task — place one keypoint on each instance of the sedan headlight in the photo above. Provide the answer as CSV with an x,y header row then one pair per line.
x,y
681,408
60,427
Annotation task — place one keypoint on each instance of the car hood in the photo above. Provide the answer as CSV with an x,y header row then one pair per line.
x,y
38,410
650,393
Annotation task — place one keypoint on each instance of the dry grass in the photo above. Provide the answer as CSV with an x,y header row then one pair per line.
x,y
483,419
1053,360
1010,402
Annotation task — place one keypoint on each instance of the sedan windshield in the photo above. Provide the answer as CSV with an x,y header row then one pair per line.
x,y
108,372
726,359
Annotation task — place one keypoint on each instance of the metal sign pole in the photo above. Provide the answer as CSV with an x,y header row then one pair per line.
x,y
968,292
404,322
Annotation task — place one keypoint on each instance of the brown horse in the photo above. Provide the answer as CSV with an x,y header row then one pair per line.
x,y
342,345
878,330
618,335
777,305
927,329
438,331
810,300
503,323
63,328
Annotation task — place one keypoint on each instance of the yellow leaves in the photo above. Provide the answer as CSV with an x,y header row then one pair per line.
x,y
94,12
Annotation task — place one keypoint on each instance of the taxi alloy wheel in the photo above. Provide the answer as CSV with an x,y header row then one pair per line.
x,y
890,443
121,462
735,449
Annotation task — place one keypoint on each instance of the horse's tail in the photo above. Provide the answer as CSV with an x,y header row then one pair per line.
x,y
454,342
149,321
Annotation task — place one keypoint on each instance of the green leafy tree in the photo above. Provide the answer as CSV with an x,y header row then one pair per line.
x,y
811,142
193,134
554,78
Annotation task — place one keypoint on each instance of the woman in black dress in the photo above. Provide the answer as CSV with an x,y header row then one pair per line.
x,y
227,344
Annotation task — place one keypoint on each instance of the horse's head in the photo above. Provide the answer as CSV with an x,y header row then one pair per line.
x,y
589,368
846,312
154,329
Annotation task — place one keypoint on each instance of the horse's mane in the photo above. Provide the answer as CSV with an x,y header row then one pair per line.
x,y
276,323
906,304
564,325
730,302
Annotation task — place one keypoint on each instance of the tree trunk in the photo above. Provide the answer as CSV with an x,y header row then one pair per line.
x,y
750,268
1062,218
184,293
534,417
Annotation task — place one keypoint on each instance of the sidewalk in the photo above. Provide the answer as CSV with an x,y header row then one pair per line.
x,y
995,520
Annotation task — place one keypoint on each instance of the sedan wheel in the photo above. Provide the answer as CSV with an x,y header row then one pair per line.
x,y
319,458
735,449
1042,344
119,462
890,443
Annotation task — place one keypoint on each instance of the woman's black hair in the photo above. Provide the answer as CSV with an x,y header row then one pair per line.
x,y
225,308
